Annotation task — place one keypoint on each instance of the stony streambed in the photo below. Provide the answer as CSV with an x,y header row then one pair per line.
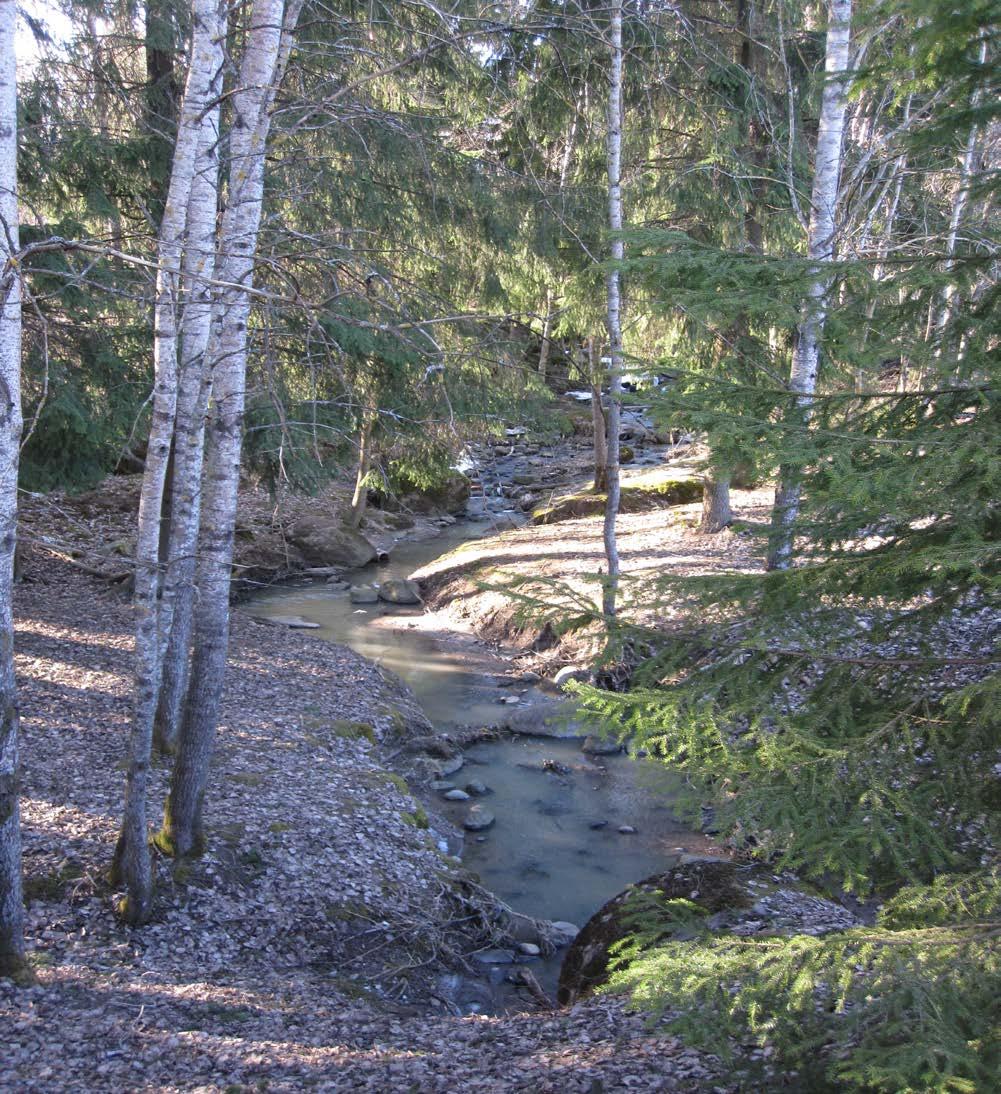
x,y
552,829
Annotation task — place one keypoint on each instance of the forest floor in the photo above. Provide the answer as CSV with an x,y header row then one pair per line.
x,y
305,948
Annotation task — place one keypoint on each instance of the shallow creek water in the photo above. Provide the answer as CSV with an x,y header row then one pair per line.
x,y
555,851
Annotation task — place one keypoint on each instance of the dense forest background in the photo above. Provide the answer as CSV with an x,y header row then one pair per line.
x,y
417,247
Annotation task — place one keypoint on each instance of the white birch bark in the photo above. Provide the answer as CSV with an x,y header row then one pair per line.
x,y
268,43
614,309
177,600
11,892
821,234
967,171
132,859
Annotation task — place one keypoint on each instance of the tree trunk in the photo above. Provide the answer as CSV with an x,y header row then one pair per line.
x,y
614,309
268,43
194,385
132,860
967,172
359,499
11,890
546,347
820,248
600,441
716,512
162,95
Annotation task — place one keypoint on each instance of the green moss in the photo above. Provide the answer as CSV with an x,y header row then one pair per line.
x,y
352,731
49,887
417,819
644,493
277,827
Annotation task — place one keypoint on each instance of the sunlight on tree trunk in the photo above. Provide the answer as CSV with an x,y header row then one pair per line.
x,y
132,858
820,247
269,41
614,317
11,890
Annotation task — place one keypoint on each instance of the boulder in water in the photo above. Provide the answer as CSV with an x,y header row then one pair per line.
x,y
364,594
323,541
478,819
399,590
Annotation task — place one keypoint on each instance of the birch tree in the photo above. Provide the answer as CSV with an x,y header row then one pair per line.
x,y
194,385
132,859
614,307
11,894
821,233
266,52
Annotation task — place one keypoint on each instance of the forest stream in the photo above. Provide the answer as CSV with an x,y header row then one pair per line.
x,y
572,830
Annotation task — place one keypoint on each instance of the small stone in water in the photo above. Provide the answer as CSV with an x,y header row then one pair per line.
x,y
627,830
494,957
529,948
478,819
598,824
476,787
442,784
456,795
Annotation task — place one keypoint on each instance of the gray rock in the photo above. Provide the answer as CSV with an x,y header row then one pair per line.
x,y
442,784
326,542
364,594
627,830
562,932
456,795
600,746
530,949
337,584
478,819
522,928
449,767
494,957
546,718
398,590
474,786
294,621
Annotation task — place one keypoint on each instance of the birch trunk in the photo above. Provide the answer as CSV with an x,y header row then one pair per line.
x,y
132,859
268,43
967,172
11,891
614,308
194,384
820,248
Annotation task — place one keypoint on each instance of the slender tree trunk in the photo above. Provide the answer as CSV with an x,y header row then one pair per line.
x,y
194,386
268,43
162,96
11,890
967,172
600,441
546,347
132,859
820,248
359,499
614,310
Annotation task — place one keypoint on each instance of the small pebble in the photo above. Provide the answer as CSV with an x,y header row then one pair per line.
x,y
627,830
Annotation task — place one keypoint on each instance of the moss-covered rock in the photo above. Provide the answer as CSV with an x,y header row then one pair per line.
x,y
733,898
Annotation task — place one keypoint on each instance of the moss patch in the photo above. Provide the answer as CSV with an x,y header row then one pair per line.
x,y
638,496
417,819
352,731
